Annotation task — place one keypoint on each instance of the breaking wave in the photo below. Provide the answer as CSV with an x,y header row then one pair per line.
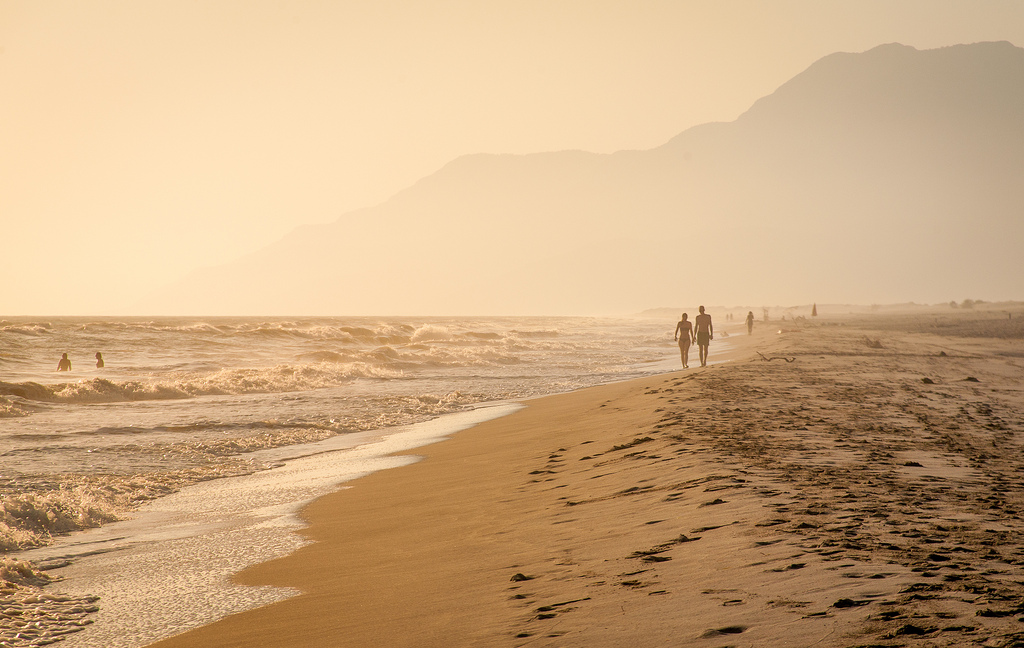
x,y
345,353
29,328
282,378
10,408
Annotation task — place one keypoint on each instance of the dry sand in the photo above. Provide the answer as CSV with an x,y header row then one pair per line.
x,y
815,491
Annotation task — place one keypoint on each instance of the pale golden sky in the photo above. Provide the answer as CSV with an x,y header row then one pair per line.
x,y
142,140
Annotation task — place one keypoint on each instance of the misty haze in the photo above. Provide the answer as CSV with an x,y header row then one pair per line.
x,y
886,176
576,324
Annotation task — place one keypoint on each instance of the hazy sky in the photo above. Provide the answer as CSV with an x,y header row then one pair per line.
x,y
140,140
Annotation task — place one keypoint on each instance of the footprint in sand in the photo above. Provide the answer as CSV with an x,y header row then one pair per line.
x,y
728,630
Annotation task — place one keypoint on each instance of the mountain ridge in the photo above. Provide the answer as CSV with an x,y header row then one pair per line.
x,y
826,187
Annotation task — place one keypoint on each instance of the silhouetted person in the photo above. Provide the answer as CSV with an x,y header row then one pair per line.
x,y
705,333
64,364
99,360
684,335
750,322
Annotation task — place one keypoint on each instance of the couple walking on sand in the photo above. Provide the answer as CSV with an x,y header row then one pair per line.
x,y
700,331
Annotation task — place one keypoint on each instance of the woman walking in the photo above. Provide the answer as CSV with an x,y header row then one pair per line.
x,y
684,335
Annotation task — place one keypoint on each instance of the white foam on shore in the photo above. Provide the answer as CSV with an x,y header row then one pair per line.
x,y
167,569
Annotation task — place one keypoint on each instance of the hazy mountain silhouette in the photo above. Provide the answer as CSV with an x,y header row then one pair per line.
x,y
889,175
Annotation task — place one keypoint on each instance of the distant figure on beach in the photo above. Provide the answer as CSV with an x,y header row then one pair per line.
x,y
684,335
64,364
705,333
99,360
750,322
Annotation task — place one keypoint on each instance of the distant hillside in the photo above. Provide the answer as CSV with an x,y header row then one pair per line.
x,y
886,176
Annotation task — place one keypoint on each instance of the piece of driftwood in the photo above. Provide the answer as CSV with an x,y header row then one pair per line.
x,y
767,359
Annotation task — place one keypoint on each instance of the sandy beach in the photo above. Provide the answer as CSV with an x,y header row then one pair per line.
x,y
846,481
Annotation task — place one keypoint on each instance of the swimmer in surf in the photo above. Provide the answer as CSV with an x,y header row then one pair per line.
x,y
64,364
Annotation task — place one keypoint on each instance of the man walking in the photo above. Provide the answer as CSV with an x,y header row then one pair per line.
x,y
705,333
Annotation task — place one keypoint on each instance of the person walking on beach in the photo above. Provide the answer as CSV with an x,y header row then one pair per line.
x,y
705,333
684,335
750,322
99,360
64,364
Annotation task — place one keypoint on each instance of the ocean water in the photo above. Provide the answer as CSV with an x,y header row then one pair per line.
x,y
189,411
181,400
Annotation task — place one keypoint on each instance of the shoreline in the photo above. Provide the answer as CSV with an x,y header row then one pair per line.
x,y
834,499
130,453
91,562
168,567
87,563
251,577
391,519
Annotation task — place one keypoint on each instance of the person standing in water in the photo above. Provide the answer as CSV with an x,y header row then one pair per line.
x,y
64,364
684,335
750,322
99,360
705,333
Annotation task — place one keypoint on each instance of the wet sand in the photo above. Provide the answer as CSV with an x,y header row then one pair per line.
x,y
846,482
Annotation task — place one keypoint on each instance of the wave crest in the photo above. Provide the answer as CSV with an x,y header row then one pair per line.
x,y
33,329
281,378
10,408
